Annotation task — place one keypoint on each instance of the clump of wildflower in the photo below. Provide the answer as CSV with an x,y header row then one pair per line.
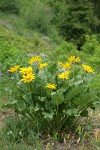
x,y
25,70
35,59
87,68
51,86
42,65
64,75
14,69
74,59
28,78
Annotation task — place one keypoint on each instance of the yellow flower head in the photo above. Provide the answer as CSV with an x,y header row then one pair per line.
x,y
43,65
35,59
51,86
60,63
14,69
64,75
28,78
26,70
77,59
87,68
74,59
66,65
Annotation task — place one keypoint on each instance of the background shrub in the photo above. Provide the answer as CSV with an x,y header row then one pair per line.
x,y
63,51
74,19
10,55
91,49
37,15
10,6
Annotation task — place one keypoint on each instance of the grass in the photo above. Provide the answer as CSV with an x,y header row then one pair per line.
x,y
4,97
89,140
13,29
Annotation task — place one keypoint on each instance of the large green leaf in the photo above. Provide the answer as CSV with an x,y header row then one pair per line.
x,y
72,112
42,76
57,97
76,81
89,77
52,68
83,99
10,104
41,98
73,93
61,90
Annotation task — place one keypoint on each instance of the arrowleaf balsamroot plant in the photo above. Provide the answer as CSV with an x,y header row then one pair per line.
x,y
53,96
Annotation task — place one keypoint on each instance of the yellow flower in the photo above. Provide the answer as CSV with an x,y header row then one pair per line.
x,y
60,63
66,65
26,70
43,65
51,86
28,78
87,68
35,59
73,59
64,75
77,59
14,69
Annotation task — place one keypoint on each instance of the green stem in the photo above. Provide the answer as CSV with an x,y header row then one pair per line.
x,y
31,91
73,70
76,120
33,122
62,123
41,87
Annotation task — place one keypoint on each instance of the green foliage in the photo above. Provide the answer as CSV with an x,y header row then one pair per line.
x,y
15,46
16,130
10,55
52,110
37,15
6,51
91,45
18,134
95,85
75,19
10,6
71,19
92,48
64,48
97,8
30,43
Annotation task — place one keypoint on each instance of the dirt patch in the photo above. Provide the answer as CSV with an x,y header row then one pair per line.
x,y
8,26
3,115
